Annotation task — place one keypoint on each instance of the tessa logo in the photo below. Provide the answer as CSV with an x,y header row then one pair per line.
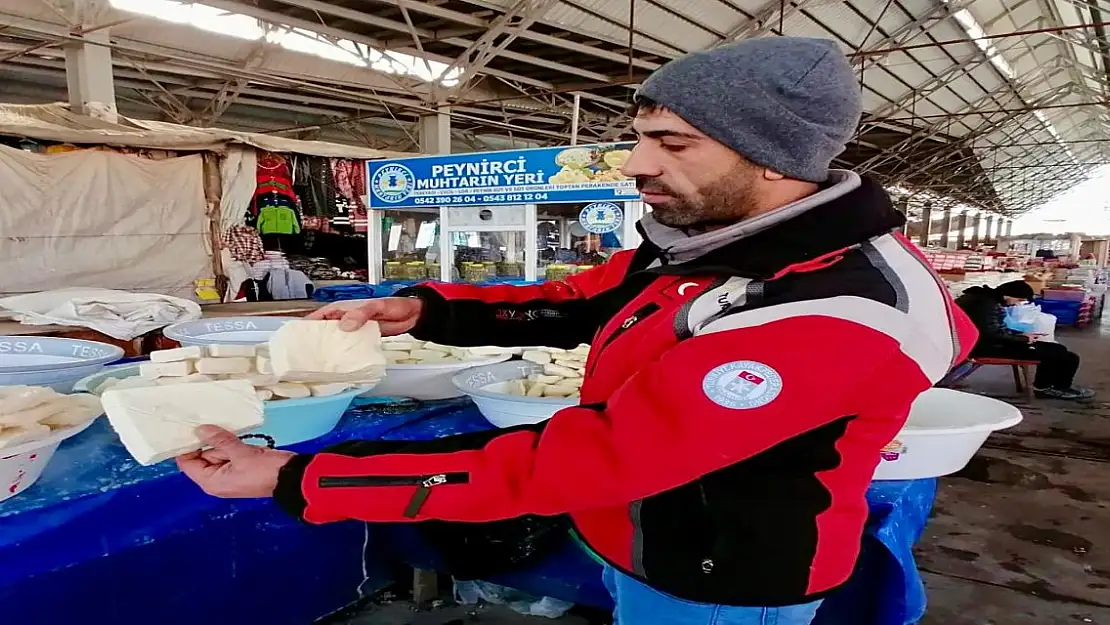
x,y
393,183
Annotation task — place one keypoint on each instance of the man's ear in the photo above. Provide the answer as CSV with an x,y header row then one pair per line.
x,y
772,175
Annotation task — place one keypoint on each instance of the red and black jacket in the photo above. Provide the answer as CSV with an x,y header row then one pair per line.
x,y
740,388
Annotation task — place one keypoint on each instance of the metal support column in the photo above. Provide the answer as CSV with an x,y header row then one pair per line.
x,y
999,234
987,236
926,224
961,233
903,206
435,132
946,225
1009,227
976,223
92,89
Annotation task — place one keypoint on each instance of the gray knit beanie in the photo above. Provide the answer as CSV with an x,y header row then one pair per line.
x,y
789,104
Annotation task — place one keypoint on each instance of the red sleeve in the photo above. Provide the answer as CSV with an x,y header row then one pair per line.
x,y
672,422
552,313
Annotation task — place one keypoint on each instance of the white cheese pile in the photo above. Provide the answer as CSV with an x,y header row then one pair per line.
x,y
159,422
311,359
30,413
562,376
405,350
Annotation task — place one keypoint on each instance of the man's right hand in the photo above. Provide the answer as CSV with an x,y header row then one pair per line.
x,y
395,315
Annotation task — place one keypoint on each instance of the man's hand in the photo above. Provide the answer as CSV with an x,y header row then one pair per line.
x,y
233,469
395,315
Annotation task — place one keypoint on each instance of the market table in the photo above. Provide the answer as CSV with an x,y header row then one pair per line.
x,y
101,537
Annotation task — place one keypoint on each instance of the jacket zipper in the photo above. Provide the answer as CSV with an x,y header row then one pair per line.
x,y
641,313
425,483
707,563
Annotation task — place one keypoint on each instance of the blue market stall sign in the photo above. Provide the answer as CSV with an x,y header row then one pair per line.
x,y
601,217
583,173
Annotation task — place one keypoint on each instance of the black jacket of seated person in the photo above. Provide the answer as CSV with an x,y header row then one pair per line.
x,y
987,309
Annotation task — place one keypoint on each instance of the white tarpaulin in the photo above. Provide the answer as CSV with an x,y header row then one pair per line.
x,y
96,218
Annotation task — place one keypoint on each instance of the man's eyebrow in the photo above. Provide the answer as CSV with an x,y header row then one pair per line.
x,y
662,134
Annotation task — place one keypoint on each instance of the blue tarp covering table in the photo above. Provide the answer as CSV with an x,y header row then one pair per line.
x,y
101,539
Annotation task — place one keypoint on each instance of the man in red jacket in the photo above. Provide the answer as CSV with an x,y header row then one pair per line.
x,y
749,361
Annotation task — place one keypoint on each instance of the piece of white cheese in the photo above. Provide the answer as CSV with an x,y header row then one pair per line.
x,y
239,365
192,378
264,394
177,355
10,437
14,399
320,352
76,410
327,390
159,423
155,370
290,390
537,356
232,351
262,365
563,372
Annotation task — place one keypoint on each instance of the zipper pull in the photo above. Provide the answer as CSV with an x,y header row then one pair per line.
x,y
421,495
628,323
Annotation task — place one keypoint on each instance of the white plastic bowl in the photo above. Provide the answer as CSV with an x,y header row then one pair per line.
x,y
486,387
50,361
945,429
21,466
225,330
427,382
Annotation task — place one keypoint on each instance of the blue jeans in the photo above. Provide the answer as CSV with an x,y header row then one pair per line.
x,y
638,604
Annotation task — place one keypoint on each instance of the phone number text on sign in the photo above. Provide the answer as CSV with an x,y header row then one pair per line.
x,y
475,199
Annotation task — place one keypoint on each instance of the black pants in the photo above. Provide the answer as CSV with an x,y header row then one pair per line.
x,y
1056,364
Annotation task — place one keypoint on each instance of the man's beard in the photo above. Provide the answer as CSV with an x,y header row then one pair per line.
x,y
726,201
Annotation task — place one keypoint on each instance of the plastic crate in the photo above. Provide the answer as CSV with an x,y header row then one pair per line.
x,y
1066,313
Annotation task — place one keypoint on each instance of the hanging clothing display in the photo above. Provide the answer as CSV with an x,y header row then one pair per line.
x,y
350,180
278,220
243,243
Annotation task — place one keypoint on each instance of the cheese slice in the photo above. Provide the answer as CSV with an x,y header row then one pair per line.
x,y
177,355
158,423
10,437
232,351
155,370
320,352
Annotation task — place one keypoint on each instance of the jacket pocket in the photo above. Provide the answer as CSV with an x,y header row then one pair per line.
x,y
425,484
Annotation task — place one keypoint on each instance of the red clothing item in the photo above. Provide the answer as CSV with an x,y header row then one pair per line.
x,y
732,415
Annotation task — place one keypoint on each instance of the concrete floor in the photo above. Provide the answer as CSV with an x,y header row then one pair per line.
x,y
1020,537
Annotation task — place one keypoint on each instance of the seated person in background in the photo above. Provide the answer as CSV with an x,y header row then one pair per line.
x,y
1056,364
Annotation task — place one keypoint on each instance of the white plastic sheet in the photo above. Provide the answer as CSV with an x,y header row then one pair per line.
x,y
95,218
118,314
238,175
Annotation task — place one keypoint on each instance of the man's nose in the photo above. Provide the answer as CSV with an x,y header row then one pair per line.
x,y
641,164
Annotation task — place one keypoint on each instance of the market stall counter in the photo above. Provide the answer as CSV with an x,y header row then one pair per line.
x,y
100,536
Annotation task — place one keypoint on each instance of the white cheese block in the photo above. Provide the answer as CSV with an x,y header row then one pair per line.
x,y
133,382
436,347
262,365
10,437
327,390
537,356
429,355
264,394
517,387
536,390
32,416
492,352
225,366
159,423
544,379
192,378
259,380
319,351
559,390
563,372
232,351
155,370
76,410
14,399
177,355
290,390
